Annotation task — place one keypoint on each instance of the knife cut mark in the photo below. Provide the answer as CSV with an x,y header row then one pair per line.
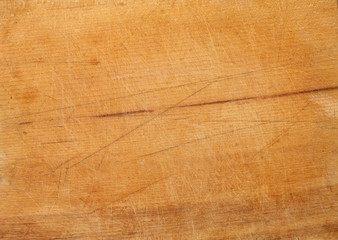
x,y
263,97
168,109
139,126
118,114
217,79
25,123
156,116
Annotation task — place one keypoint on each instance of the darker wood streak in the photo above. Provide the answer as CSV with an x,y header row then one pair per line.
x,y
25,123
122,113
262,97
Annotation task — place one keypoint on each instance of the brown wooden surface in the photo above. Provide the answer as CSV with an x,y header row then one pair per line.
x,y
168,119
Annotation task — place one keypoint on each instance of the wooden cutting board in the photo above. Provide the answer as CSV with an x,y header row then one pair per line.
x,y
183,119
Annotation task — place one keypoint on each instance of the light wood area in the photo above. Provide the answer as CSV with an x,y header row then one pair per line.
x,y
164,119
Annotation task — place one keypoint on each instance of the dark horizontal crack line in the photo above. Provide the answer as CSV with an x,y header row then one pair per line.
x,y
25,123
122,113
262,97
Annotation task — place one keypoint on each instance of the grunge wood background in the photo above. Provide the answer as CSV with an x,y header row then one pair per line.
x,y
183,119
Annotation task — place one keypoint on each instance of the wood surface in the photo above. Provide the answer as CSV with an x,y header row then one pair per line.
x,y
183,119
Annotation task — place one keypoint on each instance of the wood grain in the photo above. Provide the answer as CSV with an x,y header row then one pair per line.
x,y
168,119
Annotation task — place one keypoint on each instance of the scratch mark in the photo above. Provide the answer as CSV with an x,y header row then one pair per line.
x,y
280,136
141,125
44,94
66,141
176,105
85,202
266,121
63,163
102,160
102,101
132,193
263,97
193,141
25,123
118,114
217,79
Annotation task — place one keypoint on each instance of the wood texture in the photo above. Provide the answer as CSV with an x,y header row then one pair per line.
x,y
183,119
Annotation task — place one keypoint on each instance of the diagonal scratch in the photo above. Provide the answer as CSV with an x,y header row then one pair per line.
x,y
141,125
163,112
133,192
220,78
286,94
193,141
280,136
217,79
